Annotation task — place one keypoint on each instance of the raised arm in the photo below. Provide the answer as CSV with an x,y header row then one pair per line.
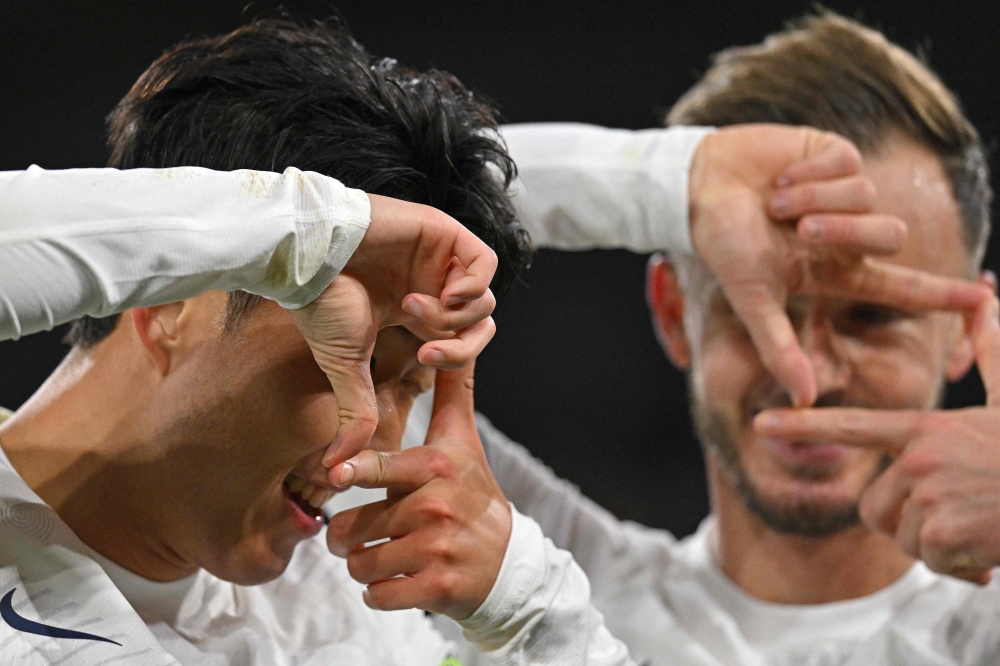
x,y
98,241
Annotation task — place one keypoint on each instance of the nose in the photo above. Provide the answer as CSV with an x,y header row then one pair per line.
x,y
821,343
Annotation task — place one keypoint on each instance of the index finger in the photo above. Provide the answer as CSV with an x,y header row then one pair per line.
x,y
882,430
827,156
888,284
767,322
473,266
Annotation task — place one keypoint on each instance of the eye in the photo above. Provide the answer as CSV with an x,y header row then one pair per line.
x,y
866,314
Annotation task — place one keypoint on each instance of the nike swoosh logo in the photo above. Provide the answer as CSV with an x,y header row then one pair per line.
x,y
11,617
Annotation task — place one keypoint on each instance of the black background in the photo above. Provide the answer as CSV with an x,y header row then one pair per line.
x,y
574,372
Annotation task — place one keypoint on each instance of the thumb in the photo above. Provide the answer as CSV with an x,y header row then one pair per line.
x,y
340,328
453,413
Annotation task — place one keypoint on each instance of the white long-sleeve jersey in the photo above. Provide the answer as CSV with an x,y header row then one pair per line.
x,y
98,241
671,604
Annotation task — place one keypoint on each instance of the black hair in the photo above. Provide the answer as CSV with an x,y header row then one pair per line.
x,y
278,92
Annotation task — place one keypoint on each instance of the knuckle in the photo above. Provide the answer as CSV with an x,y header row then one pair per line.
x,y
440,465
926,496
437,509
920,462
358,568
937,535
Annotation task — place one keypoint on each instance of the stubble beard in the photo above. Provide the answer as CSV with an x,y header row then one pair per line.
x,y
799,517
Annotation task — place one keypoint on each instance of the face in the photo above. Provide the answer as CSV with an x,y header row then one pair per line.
x,y
244,420
863,355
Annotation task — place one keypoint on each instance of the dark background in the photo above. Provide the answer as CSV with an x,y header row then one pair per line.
x,y
574,372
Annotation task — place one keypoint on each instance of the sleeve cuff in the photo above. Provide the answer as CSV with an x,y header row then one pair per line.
x,y
669,168
331,221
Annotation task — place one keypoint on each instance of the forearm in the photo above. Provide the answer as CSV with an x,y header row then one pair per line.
x,y
539,610
98,241
581,187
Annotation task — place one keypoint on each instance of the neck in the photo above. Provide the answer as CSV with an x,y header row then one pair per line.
x,y
74,443
791,569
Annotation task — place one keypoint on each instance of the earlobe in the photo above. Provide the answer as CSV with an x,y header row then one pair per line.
x,y
157,330
666,304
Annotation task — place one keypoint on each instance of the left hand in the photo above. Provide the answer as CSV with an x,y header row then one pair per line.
x,y
447,519
416,267
940,498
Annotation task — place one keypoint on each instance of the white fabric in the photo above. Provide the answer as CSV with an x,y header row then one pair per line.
x,y
582,187
669,602
98,241
538,611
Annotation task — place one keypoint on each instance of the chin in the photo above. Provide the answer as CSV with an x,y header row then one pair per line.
x,y
255,564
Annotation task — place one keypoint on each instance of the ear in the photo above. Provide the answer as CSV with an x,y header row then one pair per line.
x,y
963,354
158,328
666,304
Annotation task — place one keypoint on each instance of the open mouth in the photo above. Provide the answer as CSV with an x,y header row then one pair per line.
x,y
307,497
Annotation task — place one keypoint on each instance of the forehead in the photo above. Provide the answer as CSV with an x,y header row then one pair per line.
x,y
912,185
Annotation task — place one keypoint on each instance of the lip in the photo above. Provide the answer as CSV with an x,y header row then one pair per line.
x,y
304,523
806,453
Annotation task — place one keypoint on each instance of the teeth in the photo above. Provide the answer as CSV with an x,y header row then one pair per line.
x,y
320,497
315,496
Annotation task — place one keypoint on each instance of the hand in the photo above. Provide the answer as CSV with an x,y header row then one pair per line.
x,y
418,268
940,498
734,200
448,520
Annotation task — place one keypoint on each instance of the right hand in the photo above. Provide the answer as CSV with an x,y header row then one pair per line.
x,y
447,519
746,177
416,267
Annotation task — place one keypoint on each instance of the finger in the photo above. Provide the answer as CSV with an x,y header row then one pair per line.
x,y
460,350
888,284
829,156
977,575
863,234
453,414
471,275
986,342
911,523
884,430
771,331
364,524
854,194
434,314
403,471
398,557
403,592
881,504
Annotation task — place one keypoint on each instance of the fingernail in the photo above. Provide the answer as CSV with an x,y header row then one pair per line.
x,y
433,357
413,307
779,204
346,475
784,181
814,229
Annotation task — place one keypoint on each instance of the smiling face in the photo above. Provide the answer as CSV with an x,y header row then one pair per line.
x,y
863,355
243,419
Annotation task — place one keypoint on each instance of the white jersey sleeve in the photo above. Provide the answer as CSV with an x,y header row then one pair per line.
x,y
582,187
539,609
98,241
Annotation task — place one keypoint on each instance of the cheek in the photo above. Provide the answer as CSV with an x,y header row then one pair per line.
x,y
725,367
